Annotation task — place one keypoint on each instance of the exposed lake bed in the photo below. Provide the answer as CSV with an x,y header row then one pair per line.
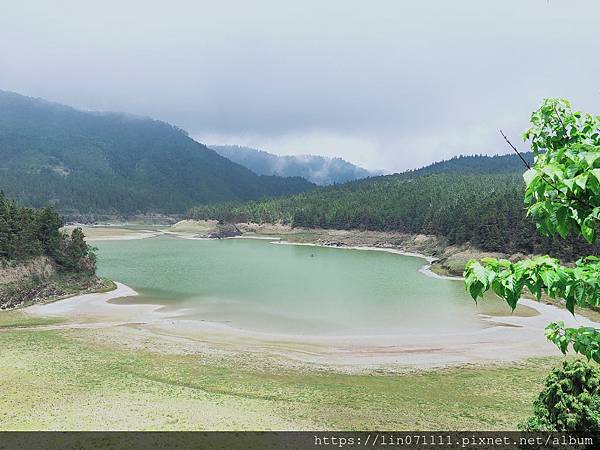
x,y
142,358
349,310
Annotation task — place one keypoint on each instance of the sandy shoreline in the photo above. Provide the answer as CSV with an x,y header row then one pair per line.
x,y
96,307
93,234
508,338
503,339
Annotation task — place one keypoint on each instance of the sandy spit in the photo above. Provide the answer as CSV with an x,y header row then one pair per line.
x,y
95,307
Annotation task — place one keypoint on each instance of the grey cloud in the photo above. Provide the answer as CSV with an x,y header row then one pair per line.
x,y
388,84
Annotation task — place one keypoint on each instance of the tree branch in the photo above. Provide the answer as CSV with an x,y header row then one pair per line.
x,y
562,124
515,149
546,180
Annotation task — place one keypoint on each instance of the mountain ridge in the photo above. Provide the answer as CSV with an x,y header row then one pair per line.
x,y
82,161
321,170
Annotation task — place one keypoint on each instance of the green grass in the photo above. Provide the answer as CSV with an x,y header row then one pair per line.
x,y
18,318
62,379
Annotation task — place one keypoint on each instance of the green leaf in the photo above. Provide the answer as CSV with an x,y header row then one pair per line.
x,y
549,277
588,232
562,215
596,173
529,176
581,180
569,182
475,290
552,171
480,274
591,157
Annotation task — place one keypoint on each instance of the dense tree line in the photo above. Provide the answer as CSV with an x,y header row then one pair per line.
x,y
475,164
486,210
26,233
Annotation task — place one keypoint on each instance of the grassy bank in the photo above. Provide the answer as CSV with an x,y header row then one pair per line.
x,y
75,382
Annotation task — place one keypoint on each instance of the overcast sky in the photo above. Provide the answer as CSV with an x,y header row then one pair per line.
x,y
385,84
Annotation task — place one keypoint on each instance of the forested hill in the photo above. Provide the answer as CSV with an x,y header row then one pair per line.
x,y
37,260
476,164
320,170
85,162
462,204
26,233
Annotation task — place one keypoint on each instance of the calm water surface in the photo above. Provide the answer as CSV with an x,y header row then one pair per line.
x,y
259,286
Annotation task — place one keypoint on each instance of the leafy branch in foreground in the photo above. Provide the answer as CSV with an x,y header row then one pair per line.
x,y
566,146
563,195
578,286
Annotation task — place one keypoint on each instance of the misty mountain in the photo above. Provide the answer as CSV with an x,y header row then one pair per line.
x,y
83,161
320,170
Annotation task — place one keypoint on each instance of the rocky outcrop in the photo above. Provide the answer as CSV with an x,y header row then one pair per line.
x,y
225,230
328,243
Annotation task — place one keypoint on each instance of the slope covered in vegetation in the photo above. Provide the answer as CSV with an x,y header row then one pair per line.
x,y
475,165
469,199
37,259
84,162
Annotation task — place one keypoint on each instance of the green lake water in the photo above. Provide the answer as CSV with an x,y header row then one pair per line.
x,y
259,286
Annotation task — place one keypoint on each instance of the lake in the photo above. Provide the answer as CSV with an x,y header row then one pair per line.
x,y
258,286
